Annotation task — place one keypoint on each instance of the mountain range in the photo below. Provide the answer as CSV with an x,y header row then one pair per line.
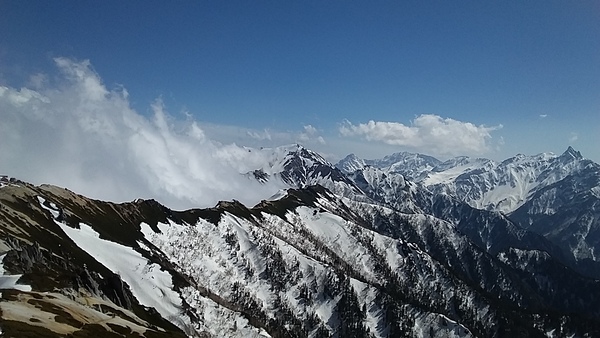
x,y
404,246
553,196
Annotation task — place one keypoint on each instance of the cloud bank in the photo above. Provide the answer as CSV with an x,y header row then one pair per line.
x,y
429,134
86,137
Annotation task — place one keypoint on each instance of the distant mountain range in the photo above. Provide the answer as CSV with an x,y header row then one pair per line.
x,y
557,197
404,246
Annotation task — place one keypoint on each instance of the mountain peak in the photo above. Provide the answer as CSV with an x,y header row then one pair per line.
x,y
572,153
350,164
306,155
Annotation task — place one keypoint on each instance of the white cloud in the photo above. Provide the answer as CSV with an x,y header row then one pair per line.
x,y
311,134
430,134
310,130
543,116
573,137
261,136
86,137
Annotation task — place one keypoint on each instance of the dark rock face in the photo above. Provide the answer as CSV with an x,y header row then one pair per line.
x,y
24,257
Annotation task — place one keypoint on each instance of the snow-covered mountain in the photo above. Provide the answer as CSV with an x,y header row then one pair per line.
x,y
490,230
357,250
483,183
555,196
298,167
503,186
410,165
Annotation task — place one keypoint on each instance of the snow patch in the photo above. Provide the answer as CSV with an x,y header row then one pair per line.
x,y
53,208
436,325
10,281
596,191
279,195
149,284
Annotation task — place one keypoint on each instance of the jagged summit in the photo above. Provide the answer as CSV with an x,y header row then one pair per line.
x,y
572,153
298,167
350,164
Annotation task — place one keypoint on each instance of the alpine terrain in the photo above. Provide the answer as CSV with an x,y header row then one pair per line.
x,y
404,246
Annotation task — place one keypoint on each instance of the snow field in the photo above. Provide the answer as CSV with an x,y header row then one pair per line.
x,y
366,296
203,253
53,209
217,320
209,259
434,325
149,284
334,231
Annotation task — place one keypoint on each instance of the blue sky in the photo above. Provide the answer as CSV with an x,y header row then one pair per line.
x,y
508,76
